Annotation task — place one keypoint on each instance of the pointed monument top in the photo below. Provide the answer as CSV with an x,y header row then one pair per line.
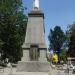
x,y
36,4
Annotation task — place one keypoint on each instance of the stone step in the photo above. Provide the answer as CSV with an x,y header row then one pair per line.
x,y
31,73
26,73
33,66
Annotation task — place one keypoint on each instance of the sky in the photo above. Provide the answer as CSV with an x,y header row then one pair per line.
x,y
56,12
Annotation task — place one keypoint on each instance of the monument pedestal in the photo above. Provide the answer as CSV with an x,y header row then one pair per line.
x,y
42,55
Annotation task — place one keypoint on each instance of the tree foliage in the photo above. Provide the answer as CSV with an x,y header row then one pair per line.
x,y
56,38
71,50
12,28
63,55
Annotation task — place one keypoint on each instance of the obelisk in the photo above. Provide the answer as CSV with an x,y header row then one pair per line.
x,y
35,35
34,47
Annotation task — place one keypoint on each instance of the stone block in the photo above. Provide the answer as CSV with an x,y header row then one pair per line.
x,y
33,66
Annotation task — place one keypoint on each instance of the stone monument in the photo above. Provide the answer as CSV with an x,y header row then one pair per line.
x,y
34,47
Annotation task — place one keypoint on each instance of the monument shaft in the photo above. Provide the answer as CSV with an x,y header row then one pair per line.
x,y
35,35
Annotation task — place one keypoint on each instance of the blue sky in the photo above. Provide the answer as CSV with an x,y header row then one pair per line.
x,y
57,12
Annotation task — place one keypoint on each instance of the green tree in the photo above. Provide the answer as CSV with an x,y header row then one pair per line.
x,y
71,50
12,28
1,44
63,55
56,38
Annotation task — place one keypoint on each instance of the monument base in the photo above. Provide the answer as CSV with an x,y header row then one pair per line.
x,y
33,66
31,73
